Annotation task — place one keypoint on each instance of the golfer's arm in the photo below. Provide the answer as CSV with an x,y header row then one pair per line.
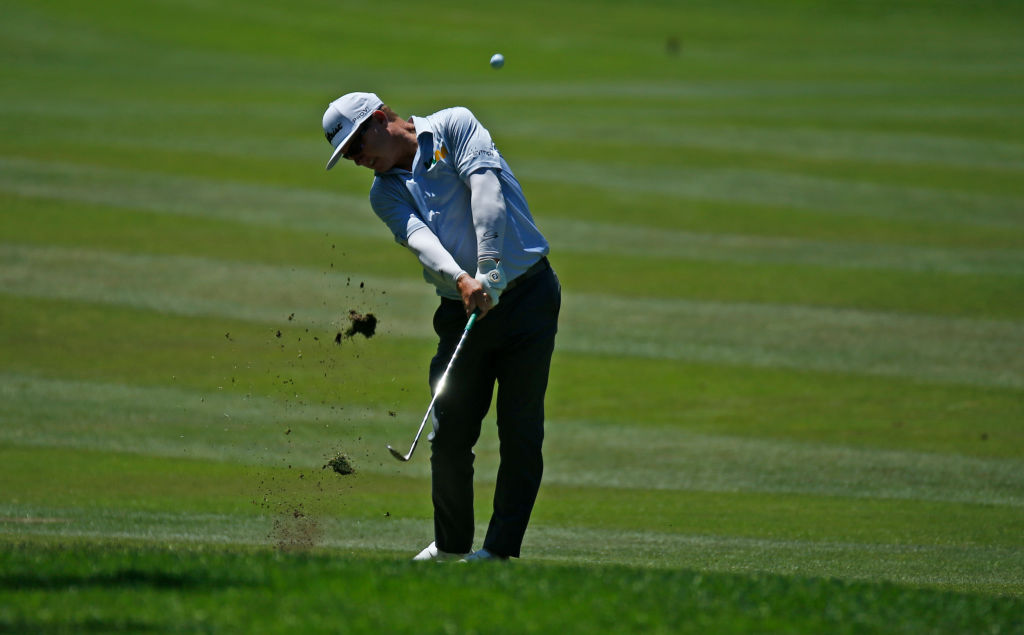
x,y
432,254
489,213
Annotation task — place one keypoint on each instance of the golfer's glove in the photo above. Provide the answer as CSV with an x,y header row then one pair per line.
x,y
490,274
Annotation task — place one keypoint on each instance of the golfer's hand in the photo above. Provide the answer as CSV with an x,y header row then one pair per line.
x,y
491,276
474,297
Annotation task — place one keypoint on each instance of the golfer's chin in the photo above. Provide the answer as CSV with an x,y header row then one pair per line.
x,y
377,164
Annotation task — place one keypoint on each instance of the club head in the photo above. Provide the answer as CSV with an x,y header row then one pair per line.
x,y
398,455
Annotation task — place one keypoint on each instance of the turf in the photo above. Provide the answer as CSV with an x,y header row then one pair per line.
x,y
166,588
789,384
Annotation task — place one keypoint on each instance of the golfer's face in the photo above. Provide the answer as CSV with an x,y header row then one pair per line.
x,y
364,148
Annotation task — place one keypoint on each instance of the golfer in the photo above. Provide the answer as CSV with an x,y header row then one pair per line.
x,y
448,195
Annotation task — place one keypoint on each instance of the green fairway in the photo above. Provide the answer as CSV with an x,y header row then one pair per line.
x,y
100,587
788,387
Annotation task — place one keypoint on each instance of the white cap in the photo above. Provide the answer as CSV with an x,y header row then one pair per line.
x,y
344,116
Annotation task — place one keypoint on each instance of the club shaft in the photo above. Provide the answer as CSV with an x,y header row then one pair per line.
x,y
438,389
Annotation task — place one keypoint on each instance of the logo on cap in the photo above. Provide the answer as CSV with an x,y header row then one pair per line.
x,y
333,131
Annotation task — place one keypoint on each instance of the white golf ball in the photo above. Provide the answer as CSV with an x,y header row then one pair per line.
x,y
497,60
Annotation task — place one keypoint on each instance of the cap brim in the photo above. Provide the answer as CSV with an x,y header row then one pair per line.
x,y
337,151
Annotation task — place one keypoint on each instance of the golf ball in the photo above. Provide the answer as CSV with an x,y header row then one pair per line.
x,y
497,60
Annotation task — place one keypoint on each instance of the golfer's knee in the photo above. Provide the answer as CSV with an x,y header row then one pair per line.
x,y
452,448
524,433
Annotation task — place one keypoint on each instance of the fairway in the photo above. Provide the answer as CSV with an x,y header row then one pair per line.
x,y
788,386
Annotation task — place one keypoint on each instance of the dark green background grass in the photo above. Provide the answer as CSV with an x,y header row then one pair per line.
x,y
215,590
789,383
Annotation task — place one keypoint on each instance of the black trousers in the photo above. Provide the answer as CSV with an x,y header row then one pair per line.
x,y
512,346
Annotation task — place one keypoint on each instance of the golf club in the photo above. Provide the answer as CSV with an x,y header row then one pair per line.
x,y
437,392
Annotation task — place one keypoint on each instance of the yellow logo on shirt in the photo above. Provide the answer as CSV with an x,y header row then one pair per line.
x,y
440,154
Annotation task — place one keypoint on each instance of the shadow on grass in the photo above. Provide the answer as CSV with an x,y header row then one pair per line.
x,y
123,578
80,626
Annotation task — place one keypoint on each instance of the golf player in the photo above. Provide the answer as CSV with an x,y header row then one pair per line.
x,y
448,195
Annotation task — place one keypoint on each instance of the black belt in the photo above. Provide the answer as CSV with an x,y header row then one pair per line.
x,y
537,267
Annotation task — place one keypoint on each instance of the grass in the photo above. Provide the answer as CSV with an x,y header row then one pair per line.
x,y
208,590
787,393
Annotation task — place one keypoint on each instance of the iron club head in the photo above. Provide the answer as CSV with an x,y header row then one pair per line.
x,y
398,455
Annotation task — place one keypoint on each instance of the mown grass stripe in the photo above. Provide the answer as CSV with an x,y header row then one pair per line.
x,y
725,101
80,479
906,564
313,210
184,129
825,196
222,426
832,144
992,569
928,348
181,285
956,350
998,173
190,196
215,424
61,339
577,236
618,454
735,92
902,131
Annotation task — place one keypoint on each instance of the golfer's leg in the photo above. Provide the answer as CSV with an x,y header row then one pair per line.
x,y
522,383
458,413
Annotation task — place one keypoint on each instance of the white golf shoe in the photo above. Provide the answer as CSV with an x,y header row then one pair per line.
x,y
482,555
435,554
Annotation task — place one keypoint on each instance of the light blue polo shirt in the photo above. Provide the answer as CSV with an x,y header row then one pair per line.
x,y
436,195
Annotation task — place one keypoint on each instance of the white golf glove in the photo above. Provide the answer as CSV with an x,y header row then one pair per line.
x,y
490,274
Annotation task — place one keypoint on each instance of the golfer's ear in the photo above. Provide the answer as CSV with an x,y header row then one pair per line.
x,y
380,116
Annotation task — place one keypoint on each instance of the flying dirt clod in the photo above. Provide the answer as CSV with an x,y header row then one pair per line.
x,y
359,323
341,464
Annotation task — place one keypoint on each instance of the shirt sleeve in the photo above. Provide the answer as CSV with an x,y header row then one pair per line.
x,y
489,213
470,143
393,207
432,254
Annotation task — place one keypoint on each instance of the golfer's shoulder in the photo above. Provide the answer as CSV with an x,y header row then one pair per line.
x,y
454,113
456,120
387,186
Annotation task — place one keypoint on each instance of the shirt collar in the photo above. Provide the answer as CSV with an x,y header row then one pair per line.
x,y
422,126
424,142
